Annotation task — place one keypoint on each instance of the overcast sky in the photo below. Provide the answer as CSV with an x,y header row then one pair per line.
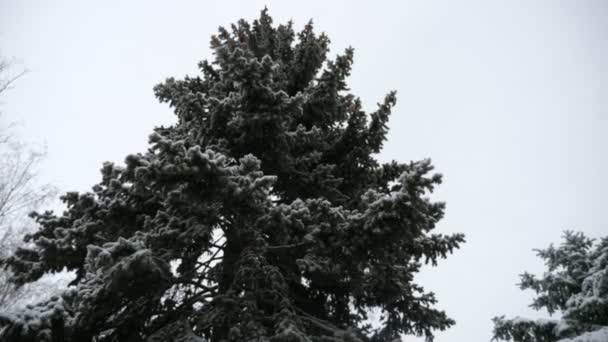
x,y
509,100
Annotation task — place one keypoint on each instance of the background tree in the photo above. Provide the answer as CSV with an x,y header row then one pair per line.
x,y
261,214
20,194
575,285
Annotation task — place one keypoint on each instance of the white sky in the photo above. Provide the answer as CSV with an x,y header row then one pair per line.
x,y
508,99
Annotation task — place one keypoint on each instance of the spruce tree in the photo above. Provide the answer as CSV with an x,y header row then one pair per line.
x,y
261,215
574,285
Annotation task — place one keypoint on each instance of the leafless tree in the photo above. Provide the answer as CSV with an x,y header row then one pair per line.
x,y
20,193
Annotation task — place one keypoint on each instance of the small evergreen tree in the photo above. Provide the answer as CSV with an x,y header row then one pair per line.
x,y
260,215
575,285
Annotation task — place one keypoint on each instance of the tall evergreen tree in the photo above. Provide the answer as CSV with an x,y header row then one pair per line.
x,y
575,285
261,215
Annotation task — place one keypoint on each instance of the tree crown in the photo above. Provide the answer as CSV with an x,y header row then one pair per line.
x,y
261,214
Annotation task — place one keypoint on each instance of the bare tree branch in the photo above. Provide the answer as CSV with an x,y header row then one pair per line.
x,y
7,80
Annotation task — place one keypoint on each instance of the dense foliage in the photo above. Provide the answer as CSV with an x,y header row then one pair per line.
x,y
260,215
575,285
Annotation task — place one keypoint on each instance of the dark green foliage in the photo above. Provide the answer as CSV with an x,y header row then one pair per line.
x,y
575,284
265,197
